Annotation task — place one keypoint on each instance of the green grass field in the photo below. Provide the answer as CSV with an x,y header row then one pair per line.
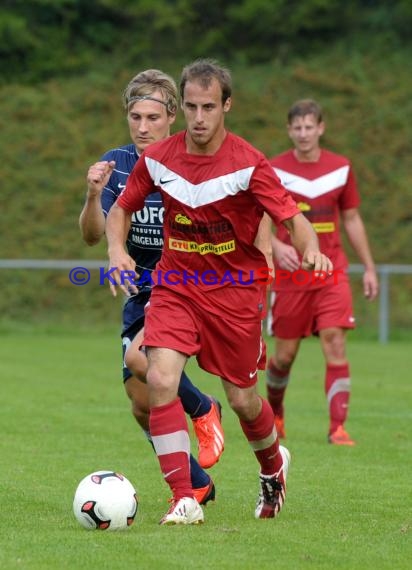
x,y
64,414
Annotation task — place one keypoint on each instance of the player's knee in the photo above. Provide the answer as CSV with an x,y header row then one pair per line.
x,y
243,405
334,344
284,359
285,353
137,393
136,362
162,381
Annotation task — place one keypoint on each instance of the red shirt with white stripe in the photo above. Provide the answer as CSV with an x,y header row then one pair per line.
x,y
321,189
213,207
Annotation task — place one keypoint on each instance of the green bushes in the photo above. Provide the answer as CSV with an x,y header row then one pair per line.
x,y
40,39
52,129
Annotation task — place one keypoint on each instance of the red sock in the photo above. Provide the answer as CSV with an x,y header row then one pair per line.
x,y
337,389
276,384
260,434
170,436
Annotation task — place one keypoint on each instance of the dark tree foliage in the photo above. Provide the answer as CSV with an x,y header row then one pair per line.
x,y
45,38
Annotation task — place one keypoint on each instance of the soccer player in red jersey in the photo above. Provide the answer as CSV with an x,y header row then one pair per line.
x,y
215,189
323,185
151,101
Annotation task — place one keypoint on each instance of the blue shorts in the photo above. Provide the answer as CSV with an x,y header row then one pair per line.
x,y
133,322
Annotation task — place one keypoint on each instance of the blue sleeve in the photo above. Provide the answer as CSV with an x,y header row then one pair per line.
x,y
111,191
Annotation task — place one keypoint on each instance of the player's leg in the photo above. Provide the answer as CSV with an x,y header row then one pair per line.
x,y
138,396
170,434
335,316
195,403
134,379
204,410
291,317
206,415
170,340
337,384
236,351
277,378
137,391
257,422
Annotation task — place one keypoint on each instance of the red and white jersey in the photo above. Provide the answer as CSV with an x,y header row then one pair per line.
x,y
213,207
321,190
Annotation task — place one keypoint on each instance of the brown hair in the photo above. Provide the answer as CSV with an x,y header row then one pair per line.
x,y
305,107
203,71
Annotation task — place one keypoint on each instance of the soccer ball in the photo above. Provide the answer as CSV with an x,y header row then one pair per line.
x,y
105,500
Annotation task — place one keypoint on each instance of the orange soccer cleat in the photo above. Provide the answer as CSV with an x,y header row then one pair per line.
x,y
280,426
205,494
209,432
340,437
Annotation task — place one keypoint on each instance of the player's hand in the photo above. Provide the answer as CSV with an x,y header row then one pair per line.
x,y
370,284
319,263
98,176
122,273
286,256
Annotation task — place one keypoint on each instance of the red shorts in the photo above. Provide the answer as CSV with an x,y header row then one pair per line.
x,y
298,314
235,351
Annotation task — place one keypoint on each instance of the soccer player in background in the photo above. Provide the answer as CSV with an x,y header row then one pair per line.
x,y
323,185
150,100
215,188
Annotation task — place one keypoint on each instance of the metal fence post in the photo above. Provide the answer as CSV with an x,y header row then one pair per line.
x,y
383,304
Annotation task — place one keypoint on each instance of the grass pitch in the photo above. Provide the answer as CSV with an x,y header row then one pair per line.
x,y
64,414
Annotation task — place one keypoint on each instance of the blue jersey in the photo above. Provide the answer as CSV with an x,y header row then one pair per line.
x,y
145,239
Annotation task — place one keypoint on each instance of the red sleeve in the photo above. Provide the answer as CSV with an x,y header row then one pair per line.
x,y
349,198
270,193
139,184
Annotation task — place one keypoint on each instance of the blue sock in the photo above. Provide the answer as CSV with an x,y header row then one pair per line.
x,y
194,402
199,477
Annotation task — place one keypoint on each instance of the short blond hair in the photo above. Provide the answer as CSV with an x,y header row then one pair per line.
x,y
145,83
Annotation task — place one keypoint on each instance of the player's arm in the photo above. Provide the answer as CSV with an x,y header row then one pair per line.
x,y
356,232
263,240
92,220
305,240
121,265
139,185
276,201
285,255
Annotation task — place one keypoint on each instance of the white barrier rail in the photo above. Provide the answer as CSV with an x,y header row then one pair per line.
x,y
384,272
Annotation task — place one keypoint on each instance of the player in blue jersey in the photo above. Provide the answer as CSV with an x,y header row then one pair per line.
x,y
150,100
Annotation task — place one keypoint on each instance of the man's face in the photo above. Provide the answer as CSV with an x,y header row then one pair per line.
x,y
204,113
305,133
148,122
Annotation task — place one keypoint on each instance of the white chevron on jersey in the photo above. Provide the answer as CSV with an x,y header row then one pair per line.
x,y
196,195
316,187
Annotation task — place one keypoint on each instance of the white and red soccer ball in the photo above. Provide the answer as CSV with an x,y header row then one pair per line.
x,y
105,500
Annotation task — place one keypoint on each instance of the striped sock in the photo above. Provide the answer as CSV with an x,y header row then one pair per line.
x,y
170,435
261,436
276,383
337,390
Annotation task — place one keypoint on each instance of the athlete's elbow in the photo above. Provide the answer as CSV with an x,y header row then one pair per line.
x,y
91,239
